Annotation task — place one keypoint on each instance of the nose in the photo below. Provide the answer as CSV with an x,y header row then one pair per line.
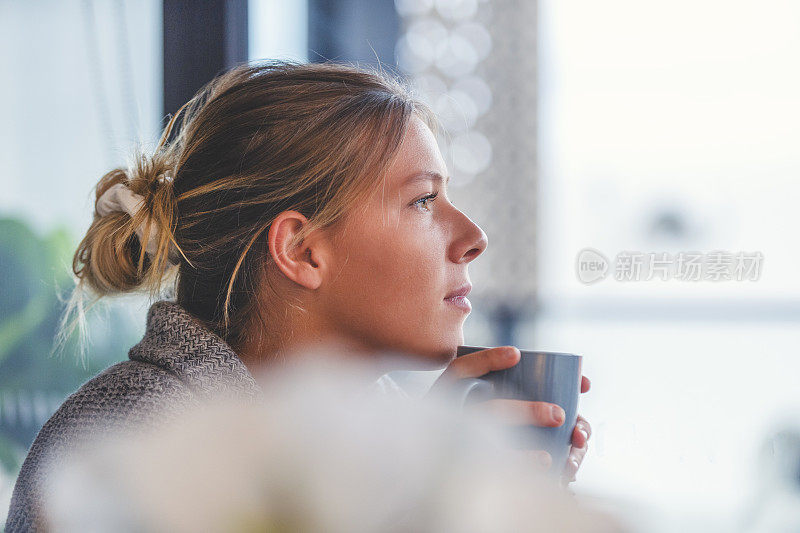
x,y
470,243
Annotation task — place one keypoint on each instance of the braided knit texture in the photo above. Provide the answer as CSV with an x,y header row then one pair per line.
x,y
176,366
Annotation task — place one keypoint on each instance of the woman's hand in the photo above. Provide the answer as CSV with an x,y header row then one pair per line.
x,y
543,414
580,443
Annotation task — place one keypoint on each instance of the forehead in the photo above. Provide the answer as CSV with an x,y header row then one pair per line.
x,y
418,154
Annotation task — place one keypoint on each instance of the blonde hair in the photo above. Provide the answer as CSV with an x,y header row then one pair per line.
x,y
255,141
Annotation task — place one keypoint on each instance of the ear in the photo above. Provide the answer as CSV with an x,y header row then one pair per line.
x,y
303,263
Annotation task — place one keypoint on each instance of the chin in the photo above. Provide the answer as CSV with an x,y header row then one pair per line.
x,y
432,361
440,355
433,347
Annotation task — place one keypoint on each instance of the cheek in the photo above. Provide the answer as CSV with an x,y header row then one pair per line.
x,y
395,267
390,288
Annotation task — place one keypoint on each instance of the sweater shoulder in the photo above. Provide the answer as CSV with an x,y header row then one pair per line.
x,y
124,393
126,385
120,397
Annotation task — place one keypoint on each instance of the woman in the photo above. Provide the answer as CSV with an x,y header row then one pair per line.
x,y
295,203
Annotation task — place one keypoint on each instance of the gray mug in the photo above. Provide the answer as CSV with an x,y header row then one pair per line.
x,y
539,377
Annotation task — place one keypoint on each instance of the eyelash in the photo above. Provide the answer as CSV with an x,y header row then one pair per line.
x,y
427,198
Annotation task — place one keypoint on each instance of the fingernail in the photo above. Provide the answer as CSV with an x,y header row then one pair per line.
x,y
558,414
511,353
584,433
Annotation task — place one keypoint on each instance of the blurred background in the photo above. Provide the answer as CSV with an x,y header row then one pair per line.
x,y
621,126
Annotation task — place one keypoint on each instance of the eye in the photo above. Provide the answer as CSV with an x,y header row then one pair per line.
x,y
425,199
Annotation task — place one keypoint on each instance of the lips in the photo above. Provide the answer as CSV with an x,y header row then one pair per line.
x,y
462,290
457,298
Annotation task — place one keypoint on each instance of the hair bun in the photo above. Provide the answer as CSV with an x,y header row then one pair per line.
x,y
119,197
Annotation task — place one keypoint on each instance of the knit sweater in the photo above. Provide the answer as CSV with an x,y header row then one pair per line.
x,y
178,364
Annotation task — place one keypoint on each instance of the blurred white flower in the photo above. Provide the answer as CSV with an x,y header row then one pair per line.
x,y
325,452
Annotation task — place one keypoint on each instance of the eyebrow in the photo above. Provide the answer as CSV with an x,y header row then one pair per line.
x,y
422,176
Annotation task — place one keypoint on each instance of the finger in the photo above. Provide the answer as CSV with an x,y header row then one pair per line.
x,y
520,412
476,364
540,458
585,384
578,438
585,425
574,461
581,433
568,475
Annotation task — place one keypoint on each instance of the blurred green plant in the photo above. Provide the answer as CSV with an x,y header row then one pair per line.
x,y
33,272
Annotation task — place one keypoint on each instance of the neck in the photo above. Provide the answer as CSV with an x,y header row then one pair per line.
x,y
282,342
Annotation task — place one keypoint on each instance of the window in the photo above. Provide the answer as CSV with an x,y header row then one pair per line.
x,y
669,128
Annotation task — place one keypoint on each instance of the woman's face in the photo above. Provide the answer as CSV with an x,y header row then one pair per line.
x,y
401,255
